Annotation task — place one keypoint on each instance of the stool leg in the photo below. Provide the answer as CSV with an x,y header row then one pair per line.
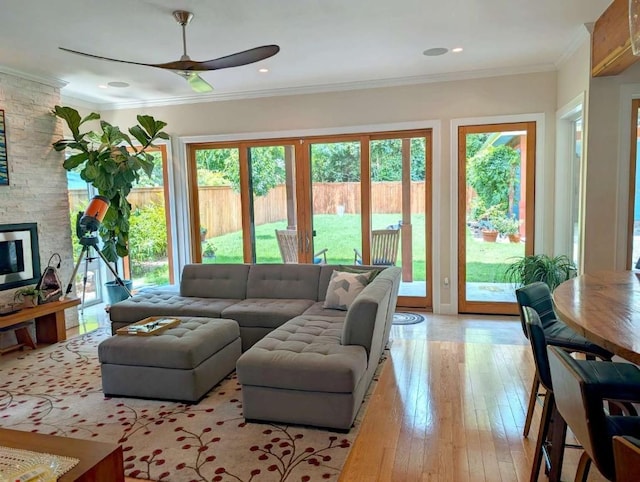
x,y
583,468
532,404
545,420
558,437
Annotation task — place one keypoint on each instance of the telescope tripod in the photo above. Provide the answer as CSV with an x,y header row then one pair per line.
x,y
88,242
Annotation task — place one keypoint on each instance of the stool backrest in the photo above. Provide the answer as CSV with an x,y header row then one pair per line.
x,y
580,405
537,296
538,342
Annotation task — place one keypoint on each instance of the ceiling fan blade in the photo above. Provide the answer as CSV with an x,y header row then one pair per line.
x,y
107,58
197,83
234,60
240,58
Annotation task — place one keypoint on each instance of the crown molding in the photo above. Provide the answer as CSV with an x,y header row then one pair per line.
x,y
583,35
79,102
50,81
325,88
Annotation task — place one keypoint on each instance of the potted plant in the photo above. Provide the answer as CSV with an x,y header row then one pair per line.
x,y
540,267
508,226
488,224
110,161
28,296
209,250
203,234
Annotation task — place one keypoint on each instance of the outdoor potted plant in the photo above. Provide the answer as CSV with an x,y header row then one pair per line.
x,y
540,267
508,226
209,250
109,160
488,224
28,296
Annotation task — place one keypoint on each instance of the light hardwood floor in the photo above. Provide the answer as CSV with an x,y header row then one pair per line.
x,y
450,406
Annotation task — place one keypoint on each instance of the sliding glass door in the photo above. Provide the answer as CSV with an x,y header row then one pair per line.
x,y
315,200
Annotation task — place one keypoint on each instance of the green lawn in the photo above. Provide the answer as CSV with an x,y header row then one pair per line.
x,y
340,234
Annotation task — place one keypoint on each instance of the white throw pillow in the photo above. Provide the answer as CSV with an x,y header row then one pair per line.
x,y
343,289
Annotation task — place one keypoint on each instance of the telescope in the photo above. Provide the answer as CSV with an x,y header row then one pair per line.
x,y
89,222
92,217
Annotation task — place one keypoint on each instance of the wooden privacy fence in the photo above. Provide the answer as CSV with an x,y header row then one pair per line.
x,y
220,211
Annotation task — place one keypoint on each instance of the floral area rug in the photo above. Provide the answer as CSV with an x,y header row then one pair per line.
x,y
57,390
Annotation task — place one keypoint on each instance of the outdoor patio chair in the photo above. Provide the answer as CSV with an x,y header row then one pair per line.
x,y
384,247
288,244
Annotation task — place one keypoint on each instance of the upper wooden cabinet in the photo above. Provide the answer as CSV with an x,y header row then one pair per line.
x,y
610,41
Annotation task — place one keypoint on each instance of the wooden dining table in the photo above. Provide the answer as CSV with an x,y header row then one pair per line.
x,y
604,307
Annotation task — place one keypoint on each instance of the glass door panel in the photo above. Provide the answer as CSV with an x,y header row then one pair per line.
x,y
149,260
336,202
88,280
219,206
495,212
272,184
398,201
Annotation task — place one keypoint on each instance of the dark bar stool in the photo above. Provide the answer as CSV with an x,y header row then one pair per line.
x,y
580,390
538,296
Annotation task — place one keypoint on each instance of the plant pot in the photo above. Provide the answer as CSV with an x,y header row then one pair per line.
x,y
514,238
116,293
29,301
489,236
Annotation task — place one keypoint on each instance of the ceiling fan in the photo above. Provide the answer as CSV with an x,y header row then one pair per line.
x,y
187,68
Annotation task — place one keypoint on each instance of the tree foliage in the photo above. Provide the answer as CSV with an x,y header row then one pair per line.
x,y
331,162
493,173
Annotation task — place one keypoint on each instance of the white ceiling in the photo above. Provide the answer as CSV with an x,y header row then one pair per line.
x,y
325,44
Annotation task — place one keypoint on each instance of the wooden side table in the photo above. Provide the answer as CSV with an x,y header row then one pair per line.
x,y
49,319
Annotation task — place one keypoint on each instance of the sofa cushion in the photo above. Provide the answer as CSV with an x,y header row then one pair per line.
x,y
295,281
265,312
326,270
318,310
215,281
344,287
305,354
365,321
143,305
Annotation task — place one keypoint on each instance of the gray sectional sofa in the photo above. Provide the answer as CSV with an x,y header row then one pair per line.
x,y
302,362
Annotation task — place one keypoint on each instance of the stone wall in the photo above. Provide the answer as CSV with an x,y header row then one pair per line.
x,y
37,190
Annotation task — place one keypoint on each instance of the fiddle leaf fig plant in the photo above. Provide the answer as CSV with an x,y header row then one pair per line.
x,y
109,160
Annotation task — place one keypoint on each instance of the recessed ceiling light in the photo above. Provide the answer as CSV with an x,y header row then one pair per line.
x,y
118,84
102,86
434,52
457,50
263,70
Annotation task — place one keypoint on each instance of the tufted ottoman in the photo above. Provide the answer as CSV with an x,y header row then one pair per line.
x,y
182,363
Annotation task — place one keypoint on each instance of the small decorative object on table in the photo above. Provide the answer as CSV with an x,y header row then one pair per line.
x,y
149,326
29,296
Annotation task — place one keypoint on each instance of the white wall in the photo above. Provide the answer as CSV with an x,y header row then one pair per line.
x,y
441,101
607,162
37,190
572,95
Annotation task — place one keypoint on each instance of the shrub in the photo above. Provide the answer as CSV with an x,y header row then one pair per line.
x,y
148,234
